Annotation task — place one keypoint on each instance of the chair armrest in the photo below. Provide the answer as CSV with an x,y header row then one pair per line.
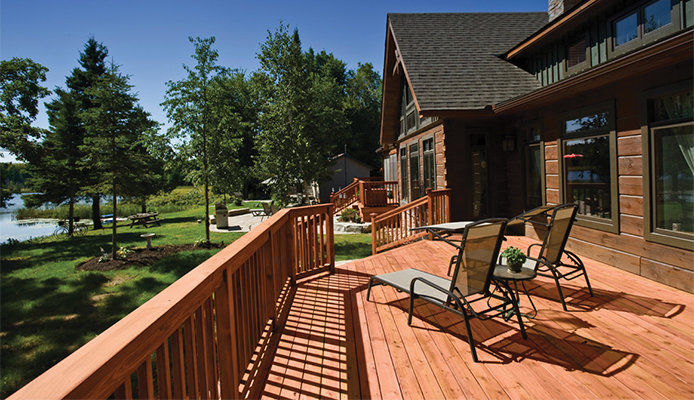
x,y
530,247
541,261
428,283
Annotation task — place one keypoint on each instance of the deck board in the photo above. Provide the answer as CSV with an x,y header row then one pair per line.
x,y
634,339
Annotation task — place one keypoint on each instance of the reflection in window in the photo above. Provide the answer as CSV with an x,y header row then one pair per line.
x,y
626,29
672,107
587,175
576,53
674,178
655,15
588,123
533,176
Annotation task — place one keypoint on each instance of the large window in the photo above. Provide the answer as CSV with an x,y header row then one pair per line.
x,y
415,185
429,161
670,131
404,182
588,170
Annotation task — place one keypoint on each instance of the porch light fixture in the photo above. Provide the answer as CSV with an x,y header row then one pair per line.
x,y
508,144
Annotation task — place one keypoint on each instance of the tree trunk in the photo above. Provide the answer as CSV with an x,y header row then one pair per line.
x,y
113,234
143,205
96,211
71,217
207,195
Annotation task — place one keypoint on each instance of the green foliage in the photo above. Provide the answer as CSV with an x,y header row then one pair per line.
x,y
300,113
116,146
362,107
13,179
20,91
196,109
350,215
513,255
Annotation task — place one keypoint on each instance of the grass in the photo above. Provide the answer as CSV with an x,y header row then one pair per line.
x,y
49,309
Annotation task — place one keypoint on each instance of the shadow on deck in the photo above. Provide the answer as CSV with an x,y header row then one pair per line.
x,y
633,339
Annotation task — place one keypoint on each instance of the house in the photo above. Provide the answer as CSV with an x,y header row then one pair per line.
x,y
589,103
343,171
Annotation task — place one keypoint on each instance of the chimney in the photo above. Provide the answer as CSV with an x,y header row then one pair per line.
x,y
559,7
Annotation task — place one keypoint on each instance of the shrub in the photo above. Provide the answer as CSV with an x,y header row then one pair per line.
x,y
350,215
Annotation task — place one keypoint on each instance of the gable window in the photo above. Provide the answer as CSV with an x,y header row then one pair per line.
x,y
429,161
415,185
588,167
404,181
670,154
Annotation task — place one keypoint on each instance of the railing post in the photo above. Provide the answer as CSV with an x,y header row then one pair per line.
x,y
362,195
374,236
330,237
292,238
448,205
430,210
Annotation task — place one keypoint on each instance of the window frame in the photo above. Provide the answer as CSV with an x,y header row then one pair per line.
x,y
650,233
433,151
603,224
582,66
404,180
410,145
642,38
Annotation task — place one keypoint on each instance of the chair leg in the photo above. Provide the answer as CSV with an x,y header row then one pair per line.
x,y
470,340
368,291
585,275
520,318
561,293
454,259
409,314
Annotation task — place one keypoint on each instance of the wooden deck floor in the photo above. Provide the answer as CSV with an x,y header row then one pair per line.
x,y
634,339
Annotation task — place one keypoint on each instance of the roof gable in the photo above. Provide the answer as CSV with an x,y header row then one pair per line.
x,y
452,59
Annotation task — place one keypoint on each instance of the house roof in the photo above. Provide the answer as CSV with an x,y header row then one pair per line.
x,y
453,60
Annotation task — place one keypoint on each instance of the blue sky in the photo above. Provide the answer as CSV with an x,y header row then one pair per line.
x,y
149,38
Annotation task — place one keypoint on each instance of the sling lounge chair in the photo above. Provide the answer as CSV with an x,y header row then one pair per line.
x,y
472,278
549,259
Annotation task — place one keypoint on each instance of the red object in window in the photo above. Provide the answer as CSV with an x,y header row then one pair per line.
x,y
573,155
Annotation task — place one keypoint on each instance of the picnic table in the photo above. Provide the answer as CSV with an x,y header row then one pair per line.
x,y
144,219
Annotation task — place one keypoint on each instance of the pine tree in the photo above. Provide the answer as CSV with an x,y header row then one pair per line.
x,y
92,61
117,125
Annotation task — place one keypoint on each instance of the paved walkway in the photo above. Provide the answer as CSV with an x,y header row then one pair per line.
x,y
240,223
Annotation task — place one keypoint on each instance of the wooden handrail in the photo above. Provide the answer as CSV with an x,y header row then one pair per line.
x,y
394,228
201,333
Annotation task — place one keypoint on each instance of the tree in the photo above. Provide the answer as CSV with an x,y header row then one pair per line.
x,y
93,66
20,92
300,114
194,114
114,147
57,175
363,110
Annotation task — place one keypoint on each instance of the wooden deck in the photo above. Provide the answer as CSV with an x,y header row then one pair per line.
x,y
634,339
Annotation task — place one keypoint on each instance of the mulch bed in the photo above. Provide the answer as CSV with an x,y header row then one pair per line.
x,y
142,257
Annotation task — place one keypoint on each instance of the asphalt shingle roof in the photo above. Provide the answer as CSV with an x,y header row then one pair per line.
x,y
452,58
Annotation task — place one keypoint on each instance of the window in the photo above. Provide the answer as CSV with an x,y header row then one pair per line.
x,y
626,29
533,175
576,52
404,182
588,167
656,15
670,217
416,188
429,161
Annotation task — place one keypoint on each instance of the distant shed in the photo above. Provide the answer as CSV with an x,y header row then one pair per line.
x,y
344,170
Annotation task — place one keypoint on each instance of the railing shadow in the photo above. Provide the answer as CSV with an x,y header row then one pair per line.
x,y
579,299
316,356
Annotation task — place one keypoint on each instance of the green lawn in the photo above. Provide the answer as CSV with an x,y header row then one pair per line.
x,y
49,309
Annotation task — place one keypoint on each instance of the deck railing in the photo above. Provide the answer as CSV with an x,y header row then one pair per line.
x,y
393,228
378,193
210,333
346,196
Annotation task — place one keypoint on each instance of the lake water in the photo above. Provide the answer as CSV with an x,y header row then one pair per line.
x,y
10,228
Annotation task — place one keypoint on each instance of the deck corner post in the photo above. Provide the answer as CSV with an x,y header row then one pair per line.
x,y
374,235
330,236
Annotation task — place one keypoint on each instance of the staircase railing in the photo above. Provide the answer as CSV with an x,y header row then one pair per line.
x,y
378,193
346,196
394,228
211,333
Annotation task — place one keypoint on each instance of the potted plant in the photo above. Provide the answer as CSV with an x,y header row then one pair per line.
x,y
514,258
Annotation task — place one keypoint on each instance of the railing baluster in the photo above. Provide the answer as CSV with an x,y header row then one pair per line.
x,y
163,371
178,363
226,318
191,357
145,384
